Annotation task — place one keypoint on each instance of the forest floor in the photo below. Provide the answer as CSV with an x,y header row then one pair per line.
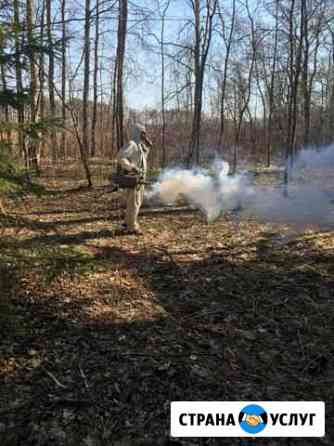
x,y
100,330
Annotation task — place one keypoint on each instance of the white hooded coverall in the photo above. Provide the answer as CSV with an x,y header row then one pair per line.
x,y
134,155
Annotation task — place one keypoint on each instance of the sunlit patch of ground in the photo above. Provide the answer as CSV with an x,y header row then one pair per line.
x,y
103,330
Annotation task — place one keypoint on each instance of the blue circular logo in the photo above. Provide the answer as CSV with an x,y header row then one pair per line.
x,y
253,419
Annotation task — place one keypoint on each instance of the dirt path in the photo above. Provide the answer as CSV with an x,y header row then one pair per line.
x,y
100,331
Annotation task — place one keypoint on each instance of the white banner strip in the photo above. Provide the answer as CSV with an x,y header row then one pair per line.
x,y
248,419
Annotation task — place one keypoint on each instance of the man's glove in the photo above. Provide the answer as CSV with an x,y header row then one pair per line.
x,y
135,170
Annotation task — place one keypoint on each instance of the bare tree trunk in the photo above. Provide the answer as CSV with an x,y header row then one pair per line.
x,y
290,139
54,147
203,36
272,89
82,149
244,95
307,74
63,77
114,109
163,109
70,108
163,105
104,110
19,84
85,137
119,69
305,78
228,44
84,146
297,71
330,106
42,76
162,14
195,132
96,68
264,107
295,59
244,90
32,146
6,107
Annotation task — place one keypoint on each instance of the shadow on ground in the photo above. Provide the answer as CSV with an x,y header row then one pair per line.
x,y
99,338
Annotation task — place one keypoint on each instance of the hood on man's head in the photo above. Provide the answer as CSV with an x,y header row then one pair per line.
x,y
136,131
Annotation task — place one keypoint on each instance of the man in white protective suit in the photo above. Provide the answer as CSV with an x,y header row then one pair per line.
x,y
132,158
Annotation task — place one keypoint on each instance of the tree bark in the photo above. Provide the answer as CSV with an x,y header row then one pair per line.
x,y
63,76
294,70
119,70
228,44
54,145
32,145
330,105
244,92
203,36
85,137
19,85
6,107
42,77
163,80
272,89
95,75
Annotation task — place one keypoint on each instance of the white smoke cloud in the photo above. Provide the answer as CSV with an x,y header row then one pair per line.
x,y
213,191
315,157
304,205
210,190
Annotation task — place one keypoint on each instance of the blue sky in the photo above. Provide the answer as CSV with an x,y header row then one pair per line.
x,y
143,66
145,91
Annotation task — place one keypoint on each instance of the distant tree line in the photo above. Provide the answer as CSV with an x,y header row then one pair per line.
x,y
243,79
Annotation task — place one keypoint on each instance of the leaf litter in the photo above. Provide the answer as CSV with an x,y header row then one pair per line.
x,y
100,331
